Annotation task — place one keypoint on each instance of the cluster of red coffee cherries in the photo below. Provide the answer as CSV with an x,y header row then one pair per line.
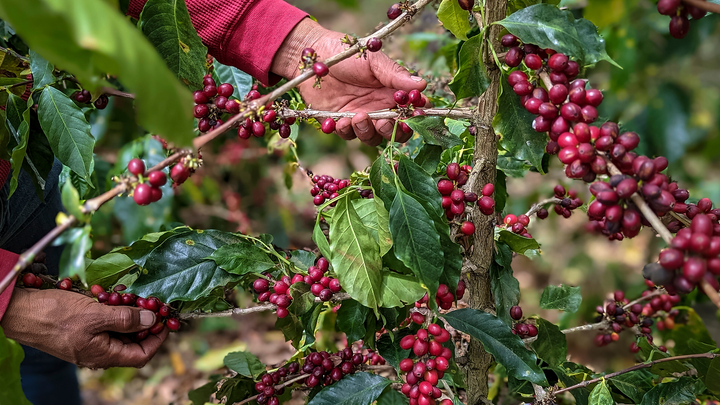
x,y
212,101
424,372
454,199
414,99
84,97
517,224
326,369
679,12
31,279
444,298
326,188
148,189
521,327
321,286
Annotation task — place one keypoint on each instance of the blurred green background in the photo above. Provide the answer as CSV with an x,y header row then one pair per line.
x,y
668,91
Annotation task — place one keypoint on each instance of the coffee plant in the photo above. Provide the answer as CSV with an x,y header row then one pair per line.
x,y
412,254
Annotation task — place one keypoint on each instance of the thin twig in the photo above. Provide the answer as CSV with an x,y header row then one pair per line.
x,y
682,218
117,93
277,387
710,291
22,83
659,291
637,367
704,5
259,308
456,113
540,204
308,74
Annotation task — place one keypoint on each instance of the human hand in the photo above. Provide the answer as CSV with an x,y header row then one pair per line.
x,y
355,84
77,329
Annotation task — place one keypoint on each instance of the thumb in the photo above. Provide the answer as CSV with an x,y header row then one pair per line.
x,y
126,319
394,76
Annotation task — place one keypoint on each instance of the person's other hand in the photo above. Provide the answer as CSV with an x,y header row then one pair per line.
x,y
355,84
77,329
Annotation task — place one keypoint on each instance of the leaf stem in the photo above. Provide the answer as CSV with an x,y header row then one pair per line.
x,y
637,367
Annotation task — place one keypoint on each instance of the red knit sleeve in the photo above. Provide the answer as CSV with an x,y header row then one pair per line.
x,y
241,33
7,261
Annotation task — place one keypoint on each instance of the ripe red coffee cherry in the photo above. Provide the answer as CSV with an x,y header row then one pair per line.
x,y
593,97
558,62
445,187
694,269
557,94
523,88
199,97
407,342
261,285
136,167
577,96
142,194
457,196
571,112
210,91
466,4
29,280
114,299
328,126
96,289
679,26
201,110
258,129
488,189
487,205
225,90
157,178
668,7
516,313
572,69
533,105
83,96
394,11
453,170
416,99
320,69
401,97
208,80
173,324
514,56
406,365
467,228
533,61
179,173
509,40
374,44
516,77
101,102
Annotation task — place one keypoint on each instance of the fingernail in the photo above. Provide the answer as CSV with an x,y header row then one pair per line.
x,y
362,125
416,78
386,129
147,318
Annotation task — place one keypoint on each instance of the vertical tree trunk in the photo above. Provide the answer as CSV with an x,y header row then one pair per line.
x,y
485,158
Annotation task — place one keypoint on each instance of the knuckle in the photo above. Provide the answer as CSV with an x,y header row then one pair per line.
x,y
125,318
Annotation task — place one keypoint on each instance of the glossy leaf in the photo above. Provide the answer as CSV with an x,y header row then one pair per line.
x,y
88,38
244,363
419,183
512,167
242,258
167,25
302,259
351,319
392,397
67,130
302,299
399,290
321,240
497,338
601,395
11,355
514,124
505,287
355,255
241,81
417,243
107,269
382,179
18,122
429,157
77,244
42,71
693,328
374,216
570,376
433,131
471,79
547,26
633,384
355,389
551,345
680,392
712,379
517,243
454,18
176,269
562,297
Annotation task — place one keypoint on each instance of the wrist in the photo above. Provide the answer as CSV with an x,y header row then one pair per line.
x,y
305,34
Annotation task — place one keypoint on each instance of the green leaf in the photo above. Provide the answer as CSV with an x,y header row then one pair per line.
x,y
693,329
517,243
497,338
302,259
320,240
176,269
241,81
570,374
634,384
355,389
374,216
4,135
399,290
303,299
433,131
71,200
67,131
454,18
382,179
471,79
429,157
712,379
512,167
680,392
562,297
291,328
601,395
505,287
452,256
416,241
201,395
11,355
549,27
355,255
351,320
90,38
242,258
167,25
42,71
72,260
235,389
245,364
392,397
514,124
107,269
419,183
551,345
18,122
389,347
